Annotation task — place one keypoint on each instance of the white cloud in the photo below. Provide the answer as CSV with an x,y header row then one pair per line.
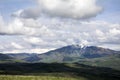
x,y
22,27
99,33
36,50
28,13
77,9
43,34
17,46
1,21
2,25
33,40
114,31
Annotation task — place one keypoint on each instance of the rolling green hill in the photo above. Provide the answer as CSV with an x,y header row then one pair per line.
x,y
74,71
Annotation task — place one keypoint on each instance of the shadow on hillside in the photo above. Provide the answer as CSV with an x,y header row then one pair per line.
x,y
53,69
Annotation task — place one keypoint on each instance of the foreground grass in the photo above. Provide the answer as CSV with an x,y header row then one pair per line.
x,y
17,77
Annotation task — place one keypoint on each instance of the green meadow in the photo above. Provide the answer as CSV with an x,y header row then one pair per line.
x,y
18,77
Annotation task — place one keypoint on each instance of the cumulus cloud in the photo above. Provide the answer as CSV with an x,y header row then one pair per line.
x,y
50,33
77,9
20,26
41,33
28,13
14,27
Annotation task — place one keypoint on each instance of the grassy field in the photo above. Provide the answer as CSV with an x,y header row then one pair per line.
x,y
56,71
11,77
110,62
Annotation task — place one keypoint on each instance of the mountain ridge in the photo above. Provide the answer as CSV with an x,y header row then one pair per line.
x,y
88,55
85,51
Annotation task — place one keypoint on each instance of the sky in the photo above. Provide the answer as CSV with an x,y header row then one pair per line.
x,y
37,26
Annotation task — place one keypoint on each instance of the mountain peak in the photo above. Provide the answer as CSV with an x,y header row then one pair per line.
x,y
79,46
75,46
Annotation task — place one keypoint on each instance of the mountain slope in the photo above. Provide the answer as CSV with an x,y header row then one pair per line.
x,y
72,53
96,52
20,56
4,57
112,61
32,58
